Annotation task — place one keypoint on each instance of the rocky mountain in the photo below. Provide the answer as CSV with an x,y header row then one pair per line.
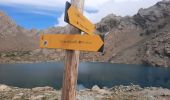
x,y
14,37
140,39
148,34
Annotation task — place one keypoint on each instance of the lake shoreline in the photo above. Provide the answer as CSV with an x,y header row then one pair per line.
x,y
39,56
131,92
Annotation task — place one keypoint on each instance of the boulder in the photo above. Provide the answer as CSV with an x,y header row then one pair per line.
x,y
39,97
4,88
95,88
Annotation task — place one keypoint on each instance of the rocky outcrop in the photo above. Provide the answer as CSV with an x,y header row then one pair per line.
x,y
54,30
154,18
152,28
14,37
150,20
156,51
113,22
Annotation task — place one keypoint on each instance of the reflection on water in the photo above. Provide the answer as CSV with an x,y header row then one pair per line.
x,y
90,74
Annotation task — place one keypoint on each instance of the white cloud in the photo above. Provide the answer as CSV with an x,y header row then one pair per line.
x,y
104,7
94,3
43,13
118,7
61,21
126,0
51,3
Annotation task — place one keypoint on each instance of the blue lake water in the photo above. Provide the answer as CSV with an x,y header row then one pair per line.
x,y
90,74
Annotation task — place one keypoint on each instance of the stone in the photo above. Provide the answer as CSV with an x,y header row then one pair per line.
x,y
37,51
39,97
4,88
43,89
95,88
3,55
18,96
167,50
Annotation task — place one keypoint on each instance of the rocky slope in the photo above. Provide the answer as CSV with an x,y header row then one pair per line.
x,y
139,39
14,37
149,45
116,93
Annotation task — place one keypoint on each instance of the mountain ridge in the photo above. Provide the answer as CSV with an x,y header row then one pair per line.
x,y
141,39
13,37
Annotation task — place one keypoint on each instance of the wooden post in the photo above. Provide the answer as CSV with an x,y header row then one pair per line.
x,y
71,62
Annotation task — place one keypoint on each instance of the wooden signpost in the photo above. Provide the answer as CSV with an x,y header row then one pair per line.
x,y
71,63
74,17
72,42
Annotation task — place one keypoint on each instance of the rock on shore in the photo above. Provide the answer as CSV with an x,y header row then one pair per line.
x,y
132,92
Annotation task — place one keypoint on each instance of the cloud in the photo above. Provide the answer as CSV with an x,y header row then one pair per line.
x,y
101,7
89,4
126,0
51,3
118,7
44,13
94,3
61,21
45,6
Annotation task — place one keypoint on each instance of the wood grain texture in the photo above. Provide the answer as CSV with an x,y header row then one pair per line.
x,y
71,62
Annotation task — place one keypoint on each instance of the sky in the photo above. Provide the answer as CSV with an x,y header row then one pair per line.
x,y
41,14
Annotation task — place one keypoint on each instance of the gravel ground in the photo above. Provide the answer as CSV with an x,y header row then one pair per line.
x,y
133,92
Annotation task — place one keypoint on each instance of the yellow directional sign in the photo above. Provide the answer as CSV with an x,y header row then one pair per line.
x,y
75,18
72,42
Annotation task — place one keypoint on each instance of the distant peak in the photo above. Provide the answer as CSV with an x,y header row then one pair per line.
x,y
2,13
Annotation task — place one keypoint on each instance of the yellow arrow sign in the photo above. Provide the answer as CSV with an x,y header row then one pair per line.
x,y
72,42
75,18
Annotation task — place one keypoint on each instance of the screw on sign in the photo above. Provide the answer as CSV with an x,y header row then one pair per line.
x,y
45,43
